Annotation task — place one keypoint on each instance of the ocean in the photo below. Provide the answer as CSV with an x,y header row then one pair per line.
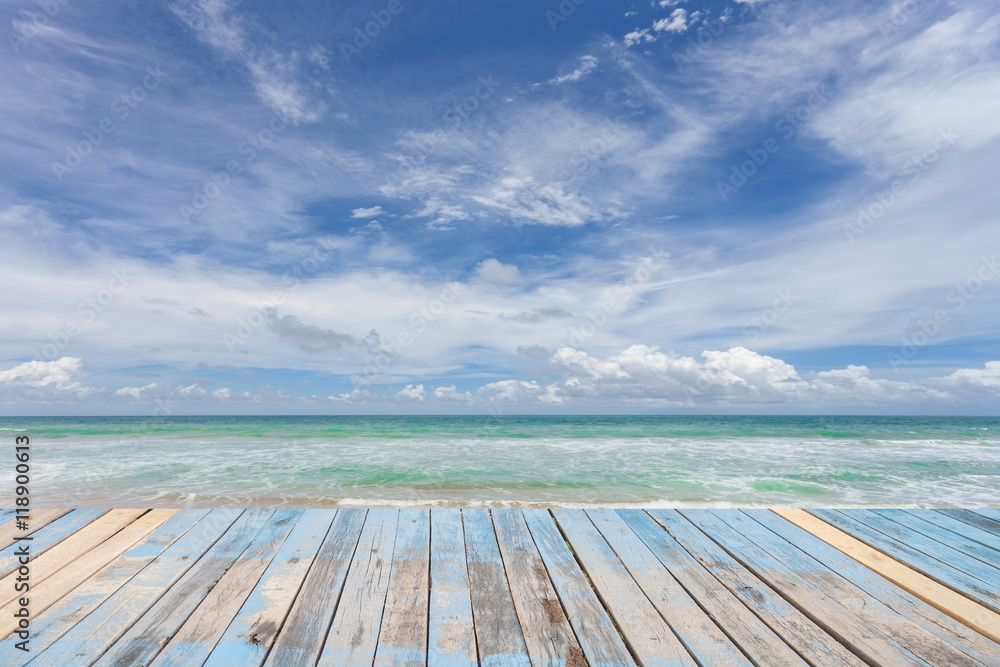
x,y
509,461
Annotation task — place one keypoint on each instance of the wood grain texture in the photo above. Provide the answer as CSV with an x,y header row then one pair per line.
x,y
402,640
451,635
37,519
973,519
50,535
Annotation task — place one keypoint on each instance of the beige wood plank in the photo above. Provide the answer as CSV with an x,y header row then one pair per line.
x,y
402,640
956,605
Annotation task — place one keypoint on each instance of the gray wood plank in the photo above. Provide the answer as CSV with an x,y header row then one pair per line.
x,y
649,637
918,552
250,636
301,638
354,632
740,625
402,640
594,629
971,518
930,618
146,637
451,634
498,630
696,630
95,633
874,646
547,633
950,532
811,641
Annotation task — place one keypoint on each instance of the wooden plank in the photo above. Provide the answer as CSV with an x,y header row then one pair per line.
x,y
740,625
354,632
402,639
811,641
547,633
143,640
911,635
699,634
956,605
92,635
250,636
903,602
855,633
54,532
58,619
37,519
971,518
989,514
51,589
191,645
980,544
594,629
914,552
451,638
69,549
648,636
301,639
498,631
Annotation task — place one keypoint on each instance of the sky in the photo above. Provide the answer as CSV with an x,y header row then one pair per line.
x,y
586,206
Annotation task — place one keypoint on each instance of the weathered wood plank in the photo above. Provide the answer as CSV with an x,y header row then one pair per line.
x,y
875,530
37,519
498,630
301,639
696,630
945,599
69,549
194,640
547,633
53,533
989,514
251,634
354,632
147,635
951,532
64,614
971,518
798,630
648,636
51,589
594,629
873,645
900,600
451,638
741,625
402,640
92,635
911,635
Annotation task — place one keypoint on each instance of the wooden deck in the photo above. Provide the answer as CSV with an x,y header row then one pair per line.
x,y
502,588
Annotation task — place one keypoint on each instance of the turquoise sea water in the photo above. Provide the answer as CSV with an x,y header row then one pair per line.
x,y
650,461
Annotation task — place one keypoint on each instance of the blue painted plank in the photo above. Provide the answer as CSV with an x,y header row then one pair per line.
x,y
104,625
966,530
914,520
930,618
52,534
989,513
594,628
402,639
451,639
251,634
60,617
973,519
916,551
854,632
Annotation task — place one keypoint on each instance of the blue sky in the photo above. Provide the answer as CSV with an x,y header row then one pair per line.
x,y
248,207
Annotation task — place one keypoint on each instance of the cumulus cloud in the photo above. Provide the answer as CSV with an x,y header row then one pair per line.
x,y
676,22
372,212
637,36
416,392
494,271
222,394
59,375
135,392
448,392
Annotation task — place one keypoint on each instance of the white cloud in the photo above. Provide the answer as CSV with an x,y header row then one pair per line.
x,y
676,22
372,212
59,375
496,272
637,36
222,394
587,65
135,392
191,390
416,392
987,377
448,392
